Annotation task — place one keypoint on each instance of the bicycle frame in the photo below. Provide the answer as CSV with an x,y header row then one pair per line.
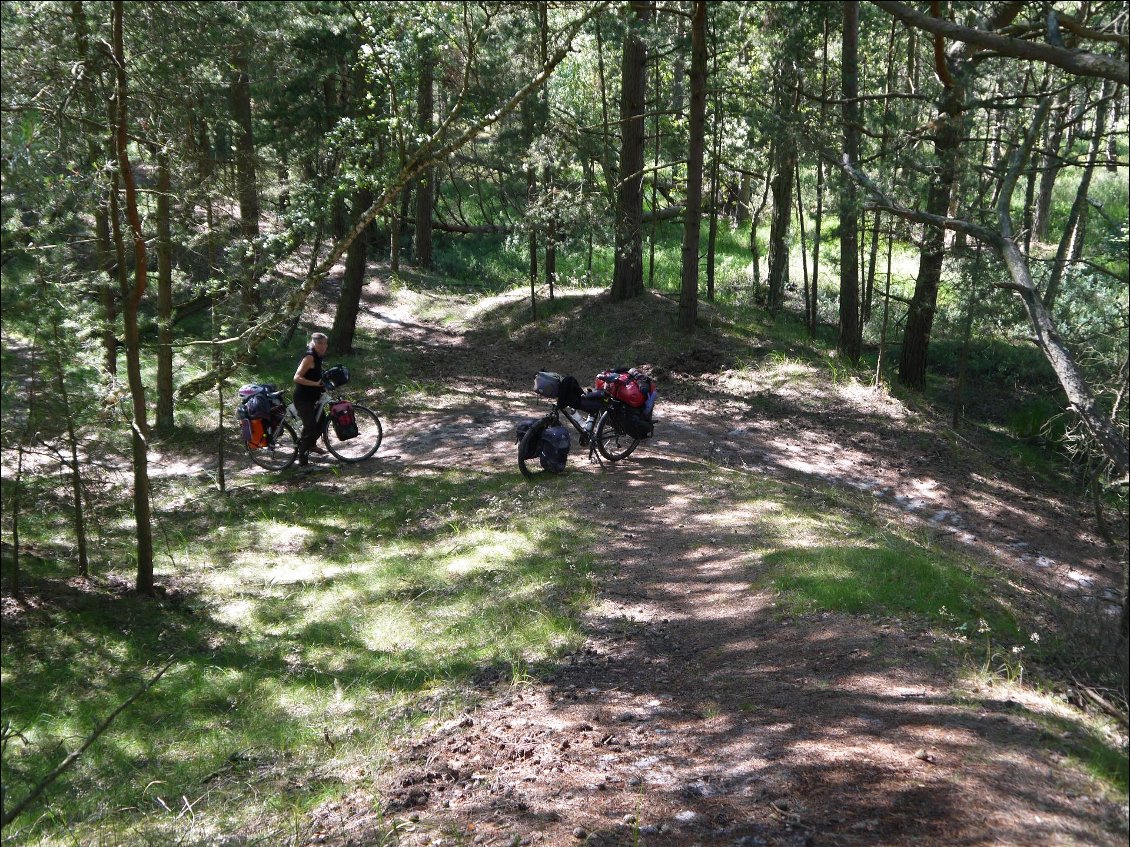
x,y
583,422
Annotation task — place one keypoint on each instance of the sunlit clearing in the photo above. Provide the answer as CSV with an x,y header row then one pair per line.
x,y
483,549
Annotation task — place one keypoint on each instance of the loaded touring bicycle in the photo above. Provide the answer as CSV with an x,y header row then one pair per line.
x,y
611,419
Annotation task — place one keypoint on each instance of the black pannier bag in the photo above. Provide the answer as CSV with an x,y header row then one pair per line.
x,y
638,425
554,452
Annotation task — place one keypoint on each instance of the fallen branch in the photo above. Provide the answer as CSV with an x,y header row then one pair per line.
x,y
1103,704
11,814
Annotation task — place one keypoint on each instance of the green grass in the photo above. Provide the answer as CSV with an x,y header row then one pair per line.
x,y
825,550
374,608
882,575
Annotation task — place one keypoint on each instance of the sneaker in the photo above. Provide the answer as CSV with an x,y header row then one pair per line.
x,y
318,449
303,460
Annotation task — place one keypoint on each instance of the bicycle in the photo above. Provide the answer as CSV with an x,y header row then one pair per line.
x,y
281,447
608,427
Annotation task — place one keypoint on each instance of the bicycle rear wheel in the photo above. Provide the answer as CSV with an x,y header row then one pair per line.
x,y
280,454
529,462
611,441
361,446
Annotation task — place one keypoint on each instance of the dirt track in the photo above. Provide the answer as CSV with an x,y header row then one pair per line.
x,y
694,715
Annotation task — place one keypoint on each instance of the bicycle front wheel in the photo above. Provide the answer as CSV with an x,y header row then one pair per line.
x,y
361,446
611,441
529,450
280,454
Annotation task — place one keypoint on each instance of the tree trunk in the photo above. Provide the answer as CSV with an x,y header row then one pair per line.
x,y
755,224
849,342
782,188
956,74
349,304
1071,244
688,295
920,319
529,121
812,317
627,275
246,179
103,247
1112,139
886,309
607,166
1063,363
1049,169
139,426
803,244
164,296
715,175
548,189
72,444
653,233
394,240
104,255
425,188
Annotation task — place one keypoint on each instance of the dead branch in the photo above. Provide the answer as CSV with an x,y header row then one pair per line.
x,y
11,814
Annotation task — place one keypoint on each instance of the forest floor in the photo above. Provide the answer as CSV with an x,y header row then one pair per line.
x,y
698,714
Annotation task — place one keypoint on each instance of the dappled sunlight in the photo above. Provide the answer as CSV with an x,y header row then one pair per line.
x,y
234,612
389,628
876,400
483,549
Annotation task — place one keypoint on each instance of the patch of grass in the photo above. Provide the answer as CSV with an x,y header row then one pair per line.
x,y
881,574
304,614
826,550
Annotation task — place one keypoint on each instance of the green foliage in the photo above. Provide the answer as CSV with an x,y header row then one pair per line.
x,y
1037,418
386,596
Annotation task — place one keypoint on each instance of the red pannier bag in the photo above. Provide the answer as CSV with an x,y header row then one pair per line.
x,y
631,387
343,420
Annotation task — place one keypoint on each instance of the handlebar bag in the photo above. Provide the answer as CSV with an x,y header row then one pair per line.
x,y
338,375
547,383
554,448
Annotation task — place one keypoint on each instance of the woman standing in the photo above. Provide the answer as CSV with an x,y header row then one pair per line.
x,y
307,392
